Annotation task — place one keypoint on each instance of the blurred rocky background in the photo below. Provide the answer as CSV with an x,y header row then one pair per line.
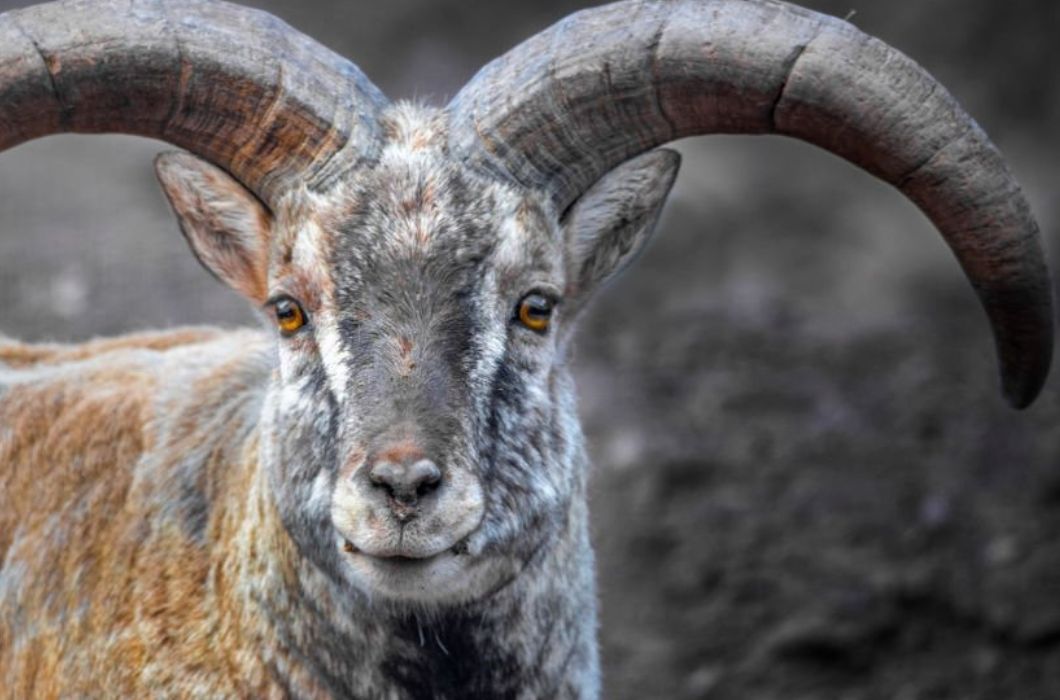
x,y
806,482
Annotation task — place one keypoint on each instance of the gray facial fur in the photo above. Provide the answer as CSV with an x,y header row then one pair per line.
x,y
410,274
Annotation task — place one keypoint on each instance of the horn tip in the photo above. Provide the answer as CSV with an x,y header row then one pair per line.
x,y
1022,384
1020,394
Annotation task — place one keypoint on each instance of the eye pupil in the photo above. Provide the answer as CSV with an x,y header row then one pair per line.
x,y
535,312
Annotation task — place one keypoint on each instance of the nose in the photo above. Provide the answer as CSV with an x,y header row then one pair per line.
x,y
405,479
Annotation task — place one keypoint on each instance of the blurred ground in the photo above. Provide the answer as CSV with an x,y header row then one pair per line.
x,y
806,483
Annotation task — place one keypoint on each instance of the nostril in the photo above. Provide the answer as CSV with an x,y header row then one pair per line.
x,y
424,477
386,475
406,482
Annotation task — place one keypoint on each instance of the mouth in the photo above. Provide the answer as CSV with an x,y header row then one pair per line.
x,y
458,549
448,576
429,577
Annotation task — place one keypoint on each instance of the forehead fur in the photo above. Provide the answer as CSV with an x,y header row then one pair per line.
x,y
415,204
412,250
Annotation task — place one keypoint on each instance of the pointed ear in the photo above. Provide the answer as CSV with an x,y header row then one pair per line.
x,y
608,226
227,227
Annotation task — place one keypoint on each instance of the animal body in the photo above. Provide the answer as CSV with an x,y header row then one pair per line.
x,y
383,493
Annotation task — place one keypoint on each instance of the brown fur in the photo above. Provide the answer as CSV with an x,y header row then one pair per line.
x,y
21,355
131,603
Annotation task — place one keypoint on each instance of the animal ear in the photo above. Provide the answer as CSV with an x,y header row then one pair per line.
x,y
608,226
226,226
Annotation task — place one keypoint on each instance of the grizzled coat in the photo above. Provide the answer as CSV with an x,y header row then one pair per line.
x,y
217,460
383,495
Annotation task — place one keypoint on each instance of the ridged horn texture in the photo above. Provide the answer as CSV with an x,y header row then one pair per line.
x,y
560,110
234,85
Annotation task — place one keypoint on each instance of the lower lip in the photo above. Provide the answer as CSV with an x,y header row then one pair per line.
x,y
399,560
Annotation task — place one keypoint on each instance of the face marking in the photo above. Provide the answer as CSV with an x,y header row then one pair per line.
x,y
405,362
333,354
309,249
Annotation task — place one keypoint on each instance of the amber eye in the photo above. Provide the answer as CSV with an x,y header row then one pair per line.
x,y
535,312
289,315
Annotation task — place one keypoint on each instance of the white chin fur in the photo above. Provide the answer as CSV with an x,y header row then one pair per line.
x,y
446,578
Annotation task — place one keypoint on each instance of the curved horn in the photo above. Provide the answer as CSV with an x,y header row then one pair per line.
x,y
560,110
233,85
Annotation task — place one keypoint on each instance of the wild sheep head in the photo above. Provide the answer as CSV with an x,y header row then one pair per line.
x,y
424,267
420,430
